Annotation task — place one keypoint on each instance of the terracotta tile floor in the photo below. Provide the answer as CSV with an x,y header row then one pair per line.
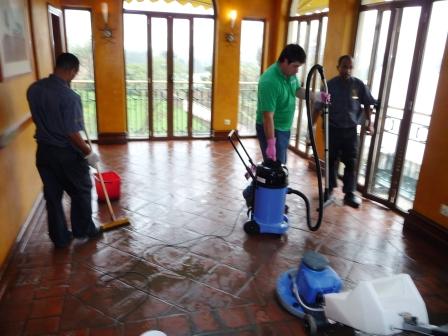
x,y
185,265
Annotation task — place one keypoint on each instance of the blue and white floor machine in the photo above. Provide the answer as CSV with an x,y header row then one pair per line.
x,y
383,306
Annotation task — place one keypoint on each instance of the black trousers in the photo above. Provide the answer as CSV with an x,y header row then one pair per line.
x,y
63,169
343,146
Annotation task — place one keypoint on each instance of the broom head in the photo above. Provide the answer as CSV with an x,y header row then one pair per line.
x,y
114,224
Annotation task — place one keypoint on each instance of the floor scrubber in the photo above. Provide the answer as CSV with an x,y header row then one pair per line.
x,y
383,306
270,180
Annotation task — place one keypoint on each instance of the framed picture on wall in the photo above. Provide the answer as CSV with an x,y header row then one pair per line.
x,y
15,51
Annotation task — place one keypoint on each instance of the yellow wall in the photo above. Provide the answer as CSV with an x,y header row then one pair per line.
x,y
109,70
226,74
432,187
20,183
341,32
41,35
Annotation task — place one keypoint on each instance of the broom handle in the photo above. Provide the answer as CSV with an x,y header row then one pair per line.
x,y
111,211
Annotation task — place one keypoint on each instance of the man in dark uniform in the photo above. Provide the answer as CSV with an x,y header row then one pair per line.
x,y
62,156
345,113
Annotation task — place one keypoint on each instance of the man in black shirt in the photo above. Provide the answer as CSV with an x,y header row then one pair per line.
x,y
63,157
345,113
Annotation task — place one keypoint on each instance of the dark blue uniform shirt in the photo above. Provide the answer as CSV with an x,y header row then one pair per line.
x,y
347,95
56,110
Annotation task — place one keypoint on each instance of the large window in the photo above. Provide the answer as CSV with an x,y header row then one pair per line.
x,y
310,33
398,53
251,52
78,28
168,69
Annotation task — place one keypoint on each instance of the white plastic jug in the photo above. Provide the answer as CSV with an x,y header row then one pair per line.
x,y
375,306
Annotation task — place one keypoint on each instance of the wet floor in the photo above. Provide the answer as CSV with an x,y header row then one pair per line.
x,y
185,265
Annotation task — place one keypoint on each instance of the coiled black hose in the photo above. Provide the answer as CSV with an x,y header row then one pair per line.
x,y
316,226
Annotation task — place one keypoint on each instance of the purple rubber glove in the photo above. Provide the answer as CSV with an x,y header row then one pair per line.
x,y
271,152
325,97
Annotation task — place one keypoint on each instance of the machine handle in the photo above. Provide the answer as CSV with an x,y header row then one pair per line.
x,y
234,134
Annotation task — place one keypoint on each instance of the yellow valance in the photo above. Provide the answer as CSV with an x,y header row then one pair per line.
x,y
310,6
303,6
195,3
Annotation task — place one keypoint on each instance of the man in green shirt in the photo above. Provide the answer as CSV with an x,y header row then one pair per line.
x,y
278,88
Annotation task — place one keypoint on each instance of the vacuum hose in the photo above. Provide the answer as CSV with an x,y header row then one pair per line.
x,y
316,226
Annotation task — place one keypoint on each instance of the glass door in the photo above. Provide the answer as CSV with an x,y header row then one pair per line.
x,y
310,33
369,68
78,28
168,75
251,55
160,78
402,70
135,50
434,47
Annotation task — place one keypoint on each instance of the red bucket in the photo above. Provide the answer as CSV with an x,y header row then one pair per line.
x,y
112,182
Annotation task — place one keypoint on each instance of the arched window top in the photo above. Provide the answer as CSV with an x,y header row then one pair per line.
x,y
171,6
308,7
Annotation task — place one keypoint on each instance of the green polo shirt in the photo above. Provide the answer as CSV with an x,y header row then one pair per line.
x,y
277,93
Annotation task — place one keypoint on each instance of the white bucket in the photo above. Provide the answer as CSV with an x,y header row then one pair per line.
x,y
153,333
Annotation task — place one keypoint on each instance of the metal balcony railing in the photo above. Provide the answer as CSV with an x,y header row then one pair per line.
x,y
137,103
137,107
414,156
86,89
247,108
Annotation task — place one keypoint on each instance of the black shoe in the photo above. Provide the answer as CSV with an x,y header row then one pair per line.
x,y
95,233
91,233
67,243
352,200
329,195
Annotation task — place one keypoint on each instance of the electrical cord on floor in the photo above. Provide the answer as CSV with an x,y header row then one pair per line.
x,y
117,275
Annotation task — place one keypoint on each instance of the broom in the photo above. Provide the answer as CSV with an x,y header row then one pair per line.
x,y
116,222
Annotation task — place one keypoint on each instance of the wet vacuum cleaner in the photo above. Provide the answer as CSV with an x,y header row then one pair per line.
x,y
268,192
384,306
270,179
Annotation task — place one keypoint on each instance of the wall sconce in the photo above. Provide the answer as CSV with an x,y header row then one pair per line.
x,y
107,32
230,36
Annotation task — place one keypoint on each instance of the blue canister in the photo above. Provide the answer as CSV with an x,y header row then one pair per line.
x,y
316,278
271,185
